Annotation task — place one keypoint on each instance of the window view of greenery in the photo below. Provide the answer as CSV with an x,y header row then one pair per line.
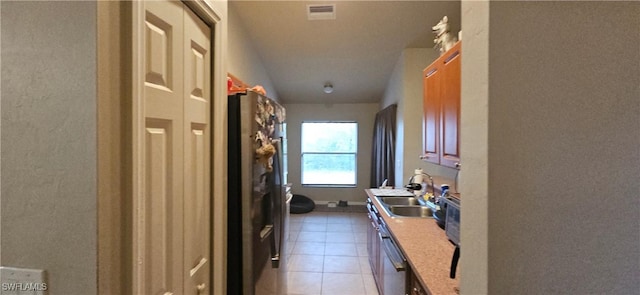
x,y
329,152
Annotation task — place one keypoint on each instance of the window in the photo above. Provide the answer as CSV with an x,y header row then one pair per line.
x,y
329,151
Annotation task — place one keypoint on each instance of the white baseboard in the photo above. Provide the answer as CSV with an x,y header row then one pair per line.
x,y
349,202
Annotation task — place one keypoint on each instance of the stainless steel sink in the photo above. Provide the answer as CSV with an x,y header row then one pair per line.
x,y
411,211
396,206
399,201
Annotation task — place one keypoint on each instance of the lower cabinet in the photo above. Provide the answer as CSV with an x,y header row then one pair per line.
x,y
415,288
373,249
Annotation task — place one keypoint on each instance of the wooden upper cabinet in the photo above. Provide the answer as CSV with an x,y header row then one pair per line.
x,y
442,109
431,117
450,122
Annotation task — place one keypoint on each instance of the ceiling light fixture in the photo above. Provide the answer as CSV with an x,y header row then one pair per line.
x,y
328,88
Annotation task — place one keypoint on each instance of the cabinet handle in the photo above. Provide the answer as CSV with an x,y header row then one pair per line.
x,y
424,157
458,165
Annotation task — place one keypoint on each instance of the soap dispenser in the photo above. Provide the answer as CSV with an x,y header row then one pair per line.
x,y
445,191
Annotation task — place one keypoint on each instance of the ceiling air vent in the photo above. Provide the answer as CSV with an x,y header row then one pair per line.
x,y
321,11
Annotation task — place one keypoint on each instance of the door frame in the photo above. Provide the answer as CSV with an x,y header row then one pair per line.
x,y
120,123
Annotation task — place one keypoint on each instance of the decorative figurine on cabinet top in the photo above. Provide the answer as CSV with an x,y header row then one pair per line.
x,y
444,39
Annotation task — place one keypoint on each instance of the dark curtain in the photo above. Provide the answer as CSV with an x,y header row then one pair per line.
x,y
384,147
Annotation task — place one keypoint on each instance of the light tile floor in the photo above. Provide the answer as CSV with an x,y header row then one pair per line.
x,y
329,254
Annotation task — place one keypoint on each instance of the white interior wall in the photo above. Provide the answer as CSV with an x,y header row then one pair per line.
x,y
415,60
0,136
474,148
243,61
363,114
219,134
394,93
48,114
561,177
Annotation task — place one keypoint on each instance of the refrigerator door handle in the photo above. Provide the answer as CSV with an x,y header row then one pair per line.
x,y
276,205
266,231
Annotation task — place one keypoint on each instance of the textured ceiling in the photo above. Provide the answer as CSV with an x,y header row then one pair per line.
x,y
356,52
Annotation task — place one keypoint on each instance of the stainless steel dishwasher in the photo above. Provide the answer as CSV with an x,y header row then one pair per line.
x,y
393,265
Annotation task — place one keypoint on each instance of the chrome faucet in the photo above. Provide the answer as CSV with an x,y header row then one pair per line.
x,y
418,186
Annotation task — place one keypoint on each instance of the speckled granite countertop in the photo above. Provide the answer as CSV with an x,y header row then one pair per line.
x,y
426,247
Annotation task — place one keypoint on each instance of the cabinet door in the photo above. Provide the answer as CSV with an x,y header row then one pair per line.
x,y
415,288
372,248
450,96
431,119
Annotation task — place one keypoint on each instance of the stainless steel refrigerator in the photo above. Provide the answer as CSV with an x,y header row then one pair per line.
x,y
257,196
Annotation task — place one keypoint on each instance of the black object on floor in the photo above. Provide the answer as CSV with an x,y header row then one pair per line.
x,y
301,204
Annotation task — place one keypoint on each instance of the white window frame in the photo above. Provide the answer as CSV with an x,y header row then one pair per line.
x,y
355,155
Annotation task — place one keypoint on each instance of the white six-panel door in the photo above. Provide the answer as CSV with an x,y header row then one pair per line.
x,y
197,152
172,216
